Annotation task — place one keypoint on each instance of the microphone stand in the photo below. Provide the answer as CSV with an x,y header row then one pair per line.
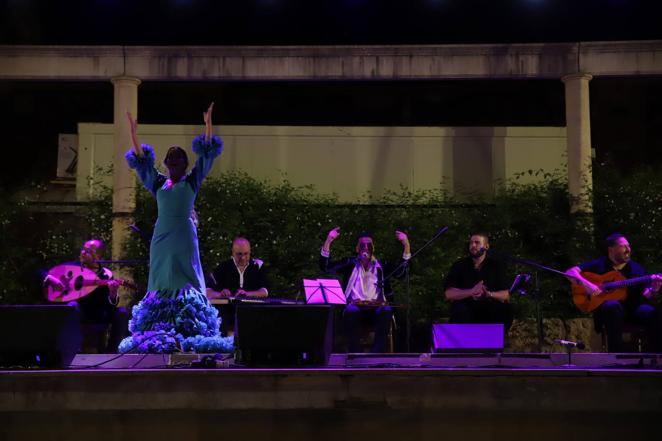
x,y
399,268
536,301
536,289
143,236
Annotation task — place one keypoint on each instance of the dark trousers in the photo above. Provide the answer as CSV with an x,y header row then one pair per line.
x,y
354,316
612,316
482,311
119,329
115,318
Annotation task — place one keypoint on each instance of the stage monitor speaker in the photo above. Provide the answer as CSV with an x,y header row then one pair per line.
x,y
283,335
467,337
38,336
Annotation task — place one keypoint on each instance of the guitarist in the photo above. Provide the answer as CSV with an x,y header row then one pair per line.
x,y
612,314
99,307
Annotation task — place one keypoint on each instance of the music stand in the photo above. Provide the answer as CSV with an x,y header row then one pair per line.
x,y
324,291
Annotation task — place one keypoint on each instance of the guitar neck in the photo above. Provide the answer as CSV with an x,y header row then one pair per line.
x,y
627,283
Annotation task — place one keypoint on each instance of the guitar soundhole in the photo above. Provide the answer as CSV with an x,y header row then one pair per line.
x,y
78,283
70,274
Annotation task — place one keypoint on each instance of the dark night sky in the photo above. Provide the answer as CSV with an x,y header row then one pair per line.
x,y
626,113
271,22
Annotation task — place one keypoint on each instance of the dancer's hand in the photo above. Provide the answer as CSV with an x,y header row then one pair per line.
x,y
133,126
208,125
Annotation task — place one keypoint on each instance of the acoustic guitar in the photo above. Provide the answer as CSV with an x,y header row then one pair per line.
x,y
613,285
77,282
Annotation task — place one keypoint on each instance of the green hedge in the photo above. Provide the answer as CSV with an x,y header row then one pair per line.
x,y
287,225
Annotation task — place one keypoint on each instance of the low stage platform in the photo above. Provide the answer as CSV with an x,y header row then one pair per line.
x,y
356,396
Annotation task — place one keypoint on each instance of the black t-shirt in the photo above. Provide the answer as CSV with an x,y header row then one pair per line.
x,y
463,275
632,269
226,276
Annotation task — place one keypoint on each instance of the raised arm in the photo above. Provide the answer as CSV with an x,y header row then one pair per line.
x,y
404,240
134,136
402,264
325,255
207,147
206,116
142,158
333,235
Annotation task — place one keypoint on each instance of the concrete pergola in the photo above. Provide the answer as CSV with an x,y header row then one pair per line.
x,y
127,66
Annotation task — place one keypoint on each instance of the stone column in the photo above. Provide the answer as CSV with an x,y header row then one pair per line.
x,y
578,126
124,181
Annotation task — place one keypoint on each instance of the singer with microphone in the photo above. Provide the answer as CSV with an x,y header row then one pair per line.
x,y
363,283
477,287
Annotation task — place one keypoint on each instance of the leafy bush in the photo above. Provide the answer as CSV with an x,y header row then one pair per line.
x,y
287,225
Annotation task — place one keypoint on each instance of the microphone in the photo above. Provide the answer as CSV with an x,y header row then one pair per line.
x,y
364,255
570,344
480,252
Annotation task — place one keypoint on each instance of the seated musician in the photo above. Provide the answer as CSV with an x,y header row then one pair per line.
x,y
635,307
100,306
363,282
240,276
478,288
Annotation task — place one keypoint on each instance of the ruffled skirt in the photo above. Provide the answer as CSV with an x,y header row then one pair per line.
x,y
166,322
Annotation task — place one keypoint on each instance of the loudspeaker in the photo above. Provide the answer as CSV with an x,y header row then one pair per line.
x,y
283,335
467,337
38,336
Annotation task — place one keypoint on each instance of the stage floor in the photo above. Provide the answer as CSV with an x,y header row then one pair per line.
x,y
356,396
504,361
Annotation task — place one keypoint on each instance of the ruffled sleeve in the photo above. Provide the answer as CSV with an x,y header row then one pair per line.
x,y
144,166
207,151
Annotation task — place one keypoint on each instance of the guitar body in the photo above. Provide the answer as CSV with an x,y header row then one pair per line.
x,y
587,303
78,282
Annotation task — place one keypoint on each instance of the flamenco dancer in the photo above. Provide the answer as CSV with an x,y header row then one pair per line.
x,y
175,313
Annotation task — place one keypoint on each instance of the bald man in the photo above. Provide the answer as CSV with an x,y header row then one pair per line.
x,y
239,276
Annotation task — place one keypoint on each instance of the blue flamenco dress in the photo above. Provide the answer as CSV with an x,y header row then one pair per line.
x,y
175,313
